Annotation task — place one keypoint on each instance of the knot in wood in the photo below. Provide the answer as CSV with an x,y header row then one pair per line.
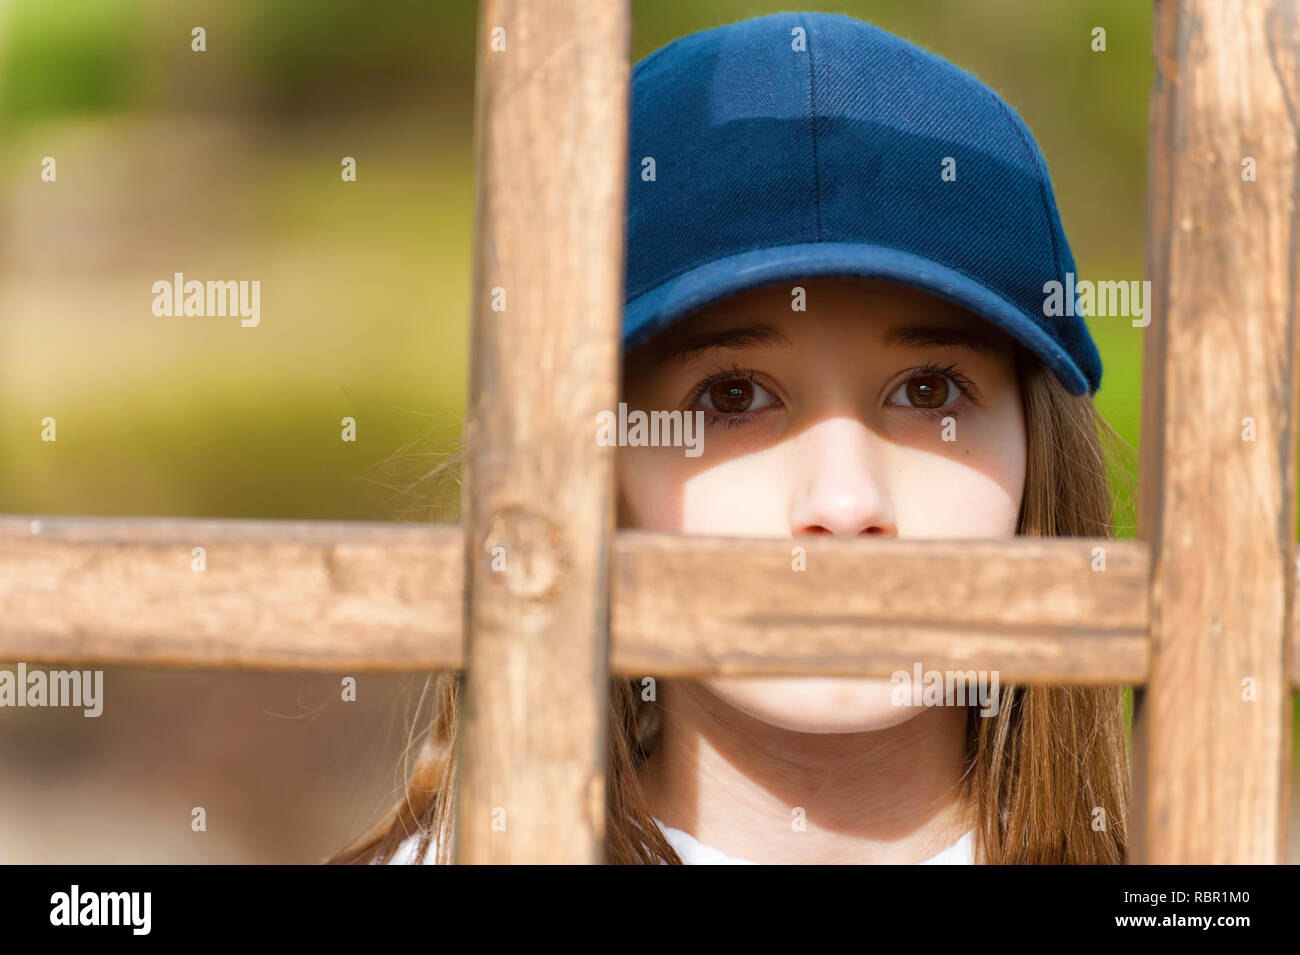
x,y
535,557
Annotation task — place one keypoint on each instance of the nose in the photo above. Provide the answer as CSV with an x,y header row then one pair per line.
x,y
838,488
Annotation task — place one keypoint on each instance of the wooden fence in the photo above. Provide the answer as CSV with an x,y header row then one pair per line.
x,y
1196,613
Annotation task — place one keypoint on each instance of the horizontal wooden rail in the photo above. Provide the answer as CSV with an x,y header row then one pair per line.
x,y
380,596
691,606
274,594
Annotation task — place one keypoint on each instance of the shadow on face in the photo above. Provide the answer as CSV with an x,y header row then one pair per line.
x,y
831,405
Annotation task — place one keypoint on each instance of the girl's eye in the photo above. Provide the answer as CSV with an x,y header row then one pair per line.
x,y
735,395
927,391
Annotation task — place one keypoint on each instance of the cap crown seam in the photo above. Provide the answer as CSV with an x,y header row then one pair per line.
x,y
812,109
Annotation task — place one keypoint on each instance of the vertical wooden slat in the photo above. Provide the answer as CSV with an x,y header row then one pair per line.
x,y
550,143
1212,732
1154,350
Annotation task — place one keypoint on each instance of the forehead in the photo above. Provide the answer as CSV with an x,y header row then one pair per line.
x,y
784,313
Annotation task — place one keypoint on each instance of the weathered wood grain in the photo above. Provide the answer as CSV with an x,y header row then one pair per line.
x,y
1032,608
372,596
1218,509
551,130
274,594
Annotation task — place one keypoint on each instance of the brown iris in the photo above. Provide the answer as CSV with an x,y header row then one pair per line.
x,y
732,395
927,391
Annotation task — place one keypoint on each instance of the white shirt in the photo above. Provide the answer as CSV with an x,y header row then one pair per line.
x,y
694,852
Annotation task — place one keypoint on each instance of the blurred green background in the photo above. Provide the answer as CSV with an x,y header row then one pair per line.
x,y
225,165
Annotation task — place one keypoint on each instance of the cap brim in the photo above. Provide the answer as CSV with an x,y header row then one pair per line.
x,y
656,309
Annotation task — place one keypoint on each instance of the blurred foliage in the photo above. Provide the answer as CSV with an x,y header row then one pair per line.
x,y
310,51
68,58
224,164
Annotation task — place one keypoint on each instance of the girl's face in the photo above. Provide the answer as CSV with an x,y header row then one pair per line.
x,y
879,411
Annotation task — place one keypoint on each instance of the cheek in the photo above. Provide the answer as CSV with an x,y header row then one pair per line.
x,y
740,496
941,497
970,487
746,496
648,496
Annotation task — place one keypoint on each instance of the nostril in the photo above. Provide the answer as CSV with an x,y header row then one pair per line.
x,y
816,530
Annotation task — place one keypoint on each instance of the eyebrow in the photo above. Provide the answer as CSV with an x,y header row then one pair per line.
x,y
740,337
942,335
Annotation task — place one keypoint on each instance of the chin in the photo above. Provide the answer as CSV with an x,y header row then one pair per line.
x,y
814,704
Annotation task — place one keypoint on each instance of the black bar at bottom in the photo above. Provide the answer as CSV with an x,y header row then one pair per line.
x,y
380,906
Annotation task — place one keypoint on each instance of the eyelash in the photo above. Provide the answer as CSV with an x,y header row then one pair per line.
x,y
725,419
951,372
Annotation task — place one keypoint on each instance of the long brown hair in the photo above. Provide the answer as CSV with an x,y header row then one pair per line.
x,y
1049,774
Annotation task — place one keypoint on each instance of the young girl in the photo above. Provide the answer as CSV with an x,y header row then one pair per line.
x,y
840,252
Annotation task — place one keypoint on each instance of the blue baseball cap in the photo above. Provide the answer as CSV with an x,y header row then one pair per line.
x,y
802,144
